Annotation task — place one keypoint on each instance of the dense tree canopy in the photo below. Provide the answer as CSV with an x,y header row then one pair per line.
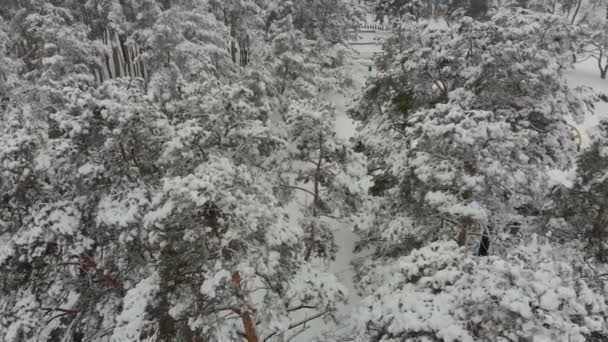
x,y
136,204
170,170
465,127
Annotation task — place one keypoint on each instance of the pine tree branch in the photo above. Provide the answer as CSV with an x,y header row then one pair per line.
x,y
298,188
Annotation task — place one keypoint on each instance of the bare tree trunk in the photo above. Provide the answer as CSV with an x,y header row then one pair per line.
x,y
128,62
461,239
598,231
142,64
316,204
578,7
166,323
603,68
233,50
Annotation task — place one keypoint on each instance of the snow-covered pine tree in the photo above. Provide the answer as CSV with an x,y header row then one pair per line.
x,y
399,9
324,170
581,210
244,20
594,44
441,292
461,128
329,20
472,117
292,66
137,209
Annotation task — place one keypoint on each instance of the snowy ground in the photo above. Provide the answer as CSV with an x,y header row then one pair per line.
x,y
584,74
365,49
587,74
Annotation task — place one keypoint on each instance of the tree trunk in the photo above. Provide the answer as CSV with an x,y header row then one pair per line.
x,y
248,323
167,328
316,204
244,311
578,7
461,239
233,50
484,244
598,230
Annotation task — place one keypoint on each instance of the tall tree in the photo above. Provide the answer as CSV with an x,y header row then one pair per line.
x,y
581,210
325,170
136,206
594,45
471,116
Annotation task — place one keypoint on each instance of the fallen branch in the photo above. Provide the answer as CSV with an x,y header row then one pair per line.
x,y
295,325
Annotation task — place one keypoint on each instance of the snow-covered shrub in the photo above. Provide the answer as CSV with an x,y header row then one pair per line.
x,y
440,292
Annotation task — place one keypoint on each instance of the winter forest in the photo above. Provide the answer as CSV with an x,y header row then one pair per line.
x,y
303,170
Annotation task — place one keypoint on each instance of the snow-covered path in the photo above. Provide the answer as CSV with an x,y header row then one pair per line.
x,y
344,236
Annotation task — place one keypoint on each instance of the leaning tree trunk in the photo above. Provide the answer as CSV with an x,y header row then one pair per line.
x,y
578,7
